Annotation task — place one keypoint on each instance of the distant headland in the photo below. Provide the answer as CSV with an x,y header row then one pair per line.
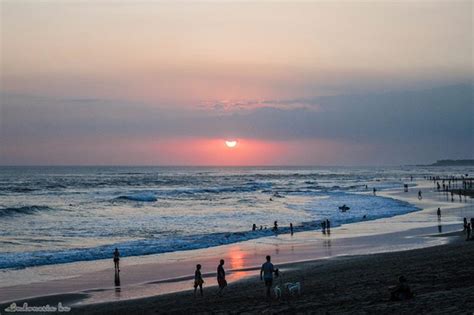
x,y
453,163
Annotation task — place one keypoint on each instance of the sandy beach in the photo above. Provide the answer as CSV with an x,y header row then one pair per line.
x,y
441,278
348,270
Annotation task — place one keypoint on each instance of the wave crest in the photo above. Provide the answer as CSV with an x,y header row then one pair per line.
x,y
7,211
145,197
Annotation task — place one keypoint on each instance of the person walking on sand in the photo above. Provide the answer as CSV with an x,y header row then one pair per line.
x,y
419,195
291,228
266,274
375,191
221,281
328,224
439,213
198,281
464,225
116,259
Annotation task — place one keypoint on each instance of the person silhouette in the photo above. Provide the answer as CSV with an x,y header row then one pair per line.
x,y
116,260
291,228
221,281
198,281
266,274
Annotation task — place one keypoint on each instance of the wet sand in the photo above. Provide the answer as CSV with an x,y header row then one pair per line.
x,y
441,278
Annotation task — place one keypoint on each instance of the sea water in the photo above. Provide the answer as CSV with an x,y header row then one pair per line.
x,y
52,215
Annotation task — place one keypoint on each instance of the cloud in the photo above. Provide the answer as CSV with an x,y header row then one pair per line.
x,y
421,124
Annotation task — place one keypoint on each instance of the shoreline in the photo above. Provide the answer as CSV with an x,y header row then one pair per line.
x,y
280,246
343,285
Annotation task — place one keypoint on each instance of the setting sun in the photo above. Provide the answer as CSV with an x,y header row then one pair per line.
x,y
231,143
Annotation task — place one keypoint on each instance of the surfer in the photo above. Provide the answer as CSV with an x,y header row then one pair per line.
x,y
344,208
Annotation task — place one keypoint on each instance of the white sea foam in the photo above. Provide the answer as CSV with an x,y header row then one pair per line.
x,y
154,210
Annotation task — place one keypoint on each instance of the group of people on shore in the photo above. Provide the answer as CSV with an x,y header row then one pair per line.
x,y
268,271
468,226
266,275
221,280
326,226
274,229
454,185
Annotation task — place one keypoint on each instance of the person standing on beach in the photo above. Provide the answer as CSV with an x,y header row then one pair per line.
x,y
198,281
116,260
266,274
419,195
439,213
328,225
468,231
291,228
464,225
323,226
221,281
375,191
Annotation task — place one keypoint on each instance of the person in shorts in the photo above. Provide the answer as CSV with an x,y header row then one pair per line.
x,y
266,274
198,281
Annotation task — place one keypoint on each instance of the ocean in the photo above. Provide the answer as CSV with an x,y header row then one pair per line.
x,y
53,215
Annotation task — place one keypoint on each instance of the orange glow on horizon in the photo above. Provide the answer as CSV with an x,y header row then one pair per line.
x,y
218,152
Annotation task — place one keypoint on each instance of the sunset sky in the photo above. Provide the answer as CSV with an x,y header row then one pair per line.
x,y
167,82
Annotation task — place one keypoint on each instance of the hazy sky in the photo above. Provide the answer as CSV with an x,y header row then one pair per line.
x,y
165,82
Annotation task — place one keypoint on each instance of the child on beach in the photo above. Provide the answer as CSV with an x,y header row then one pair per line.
x,y
198,281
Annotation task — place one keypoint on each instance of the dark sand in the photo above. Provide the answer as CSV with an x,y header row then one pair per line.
x,y
442,278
